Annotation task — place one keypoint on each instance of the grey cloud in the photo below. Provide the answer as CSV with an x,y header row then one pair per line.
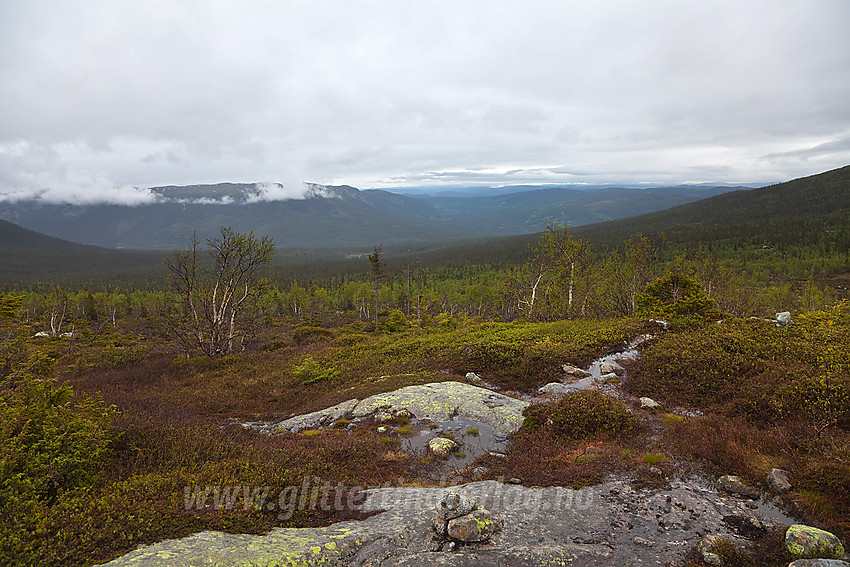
x,y
370,94
824,149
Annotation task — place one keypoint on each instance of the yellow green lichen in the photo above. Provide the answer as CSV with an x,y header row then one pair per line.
x,y
819,543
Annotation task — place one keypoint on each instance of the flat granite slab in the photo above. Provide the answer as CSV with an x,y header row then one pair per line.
x,y
608,524
438,401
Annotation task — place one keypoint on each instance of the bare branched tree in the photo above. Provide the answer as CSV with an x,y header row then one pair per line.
x,y
215,291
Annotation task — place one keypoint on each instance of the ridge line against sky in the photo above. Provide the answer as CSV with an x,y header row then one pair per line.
x,y
98,97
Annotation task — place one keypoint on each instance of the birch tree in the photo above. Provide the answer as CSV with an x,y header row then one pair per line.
x,y
567,255
216,288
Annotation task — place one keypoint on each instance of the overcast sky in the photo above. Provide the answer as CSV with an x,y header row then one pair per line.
x,y
99,95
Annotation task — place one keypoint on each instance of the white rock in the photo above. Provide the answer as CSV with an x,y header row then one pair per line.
x,y
555,389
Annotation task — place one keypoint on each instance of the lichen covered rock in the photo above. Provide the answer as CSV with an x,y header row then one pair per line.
x,y
474,527
705,547
806,541
456,504
442,446
734,485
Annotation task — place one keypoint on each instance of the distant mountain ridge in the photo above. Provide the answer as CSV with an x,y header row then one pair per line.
x,y
334,216
802,216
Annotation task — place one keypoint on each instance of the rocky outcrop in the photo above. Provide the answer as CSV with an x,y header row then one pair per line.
x,y
316,419
439,401
608,524
649,403
809,542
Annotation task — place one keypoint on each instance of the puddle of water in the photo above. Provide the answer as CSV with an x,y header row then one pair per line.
x,y
472,446
763,508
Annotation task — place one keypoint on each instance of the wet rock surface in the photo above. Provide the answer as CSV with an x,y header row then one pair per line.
x,y
612,523
734,485
439,401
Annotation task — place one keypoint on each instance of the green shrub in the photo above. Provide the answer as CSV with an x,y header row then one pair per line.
x,y
52,444
822,401
110,357
673,295
49,440
396,322
311,372
581,415
652,458
307,334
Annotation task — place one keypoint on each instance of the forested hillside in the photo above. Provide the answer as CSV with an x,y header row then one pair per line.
x,y
332,216
810,212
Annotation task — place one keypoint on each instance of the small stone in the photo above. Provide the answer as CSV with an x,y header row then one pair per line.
x,y
734,485
479,472
649,403
803,540
783,319
610,367
574,371
704,547
439,525
476,526
381,429
779,480
555,389
746,526
515,480
605,378
473,377
442,446
643,542
456,504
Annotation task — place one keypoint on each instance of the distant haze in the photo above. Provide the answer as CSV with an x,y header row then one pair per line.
x,y
100,100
